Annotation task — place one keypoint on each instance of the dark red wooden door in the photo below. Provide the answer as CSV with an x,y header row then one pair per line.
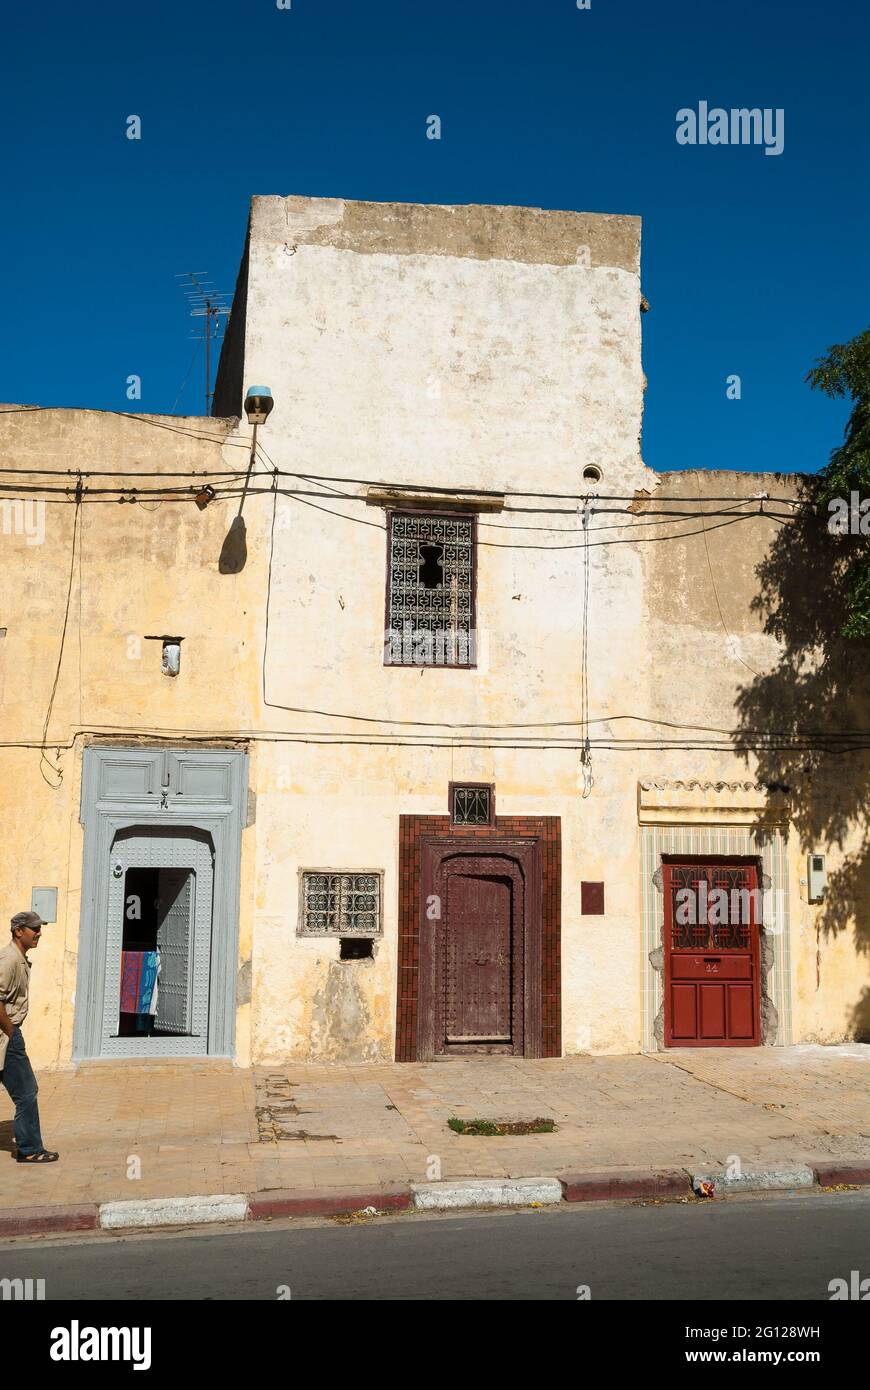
x,y
480,1005
478,960
480,973
712,986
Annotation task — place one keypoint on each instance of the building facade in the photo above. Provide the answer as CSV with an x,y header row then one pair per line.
x,y
424,720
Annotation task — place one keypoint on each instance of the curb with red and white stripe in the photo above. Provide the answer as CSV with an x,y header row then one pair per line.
x,y
460,1194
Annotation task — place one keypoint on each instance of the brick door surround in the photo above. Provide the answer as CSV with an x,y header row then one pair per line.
x,y
546,830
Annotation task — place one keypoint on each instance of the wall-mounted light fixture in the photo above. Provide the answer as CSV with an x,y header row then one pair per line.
x,y
258,404
204,496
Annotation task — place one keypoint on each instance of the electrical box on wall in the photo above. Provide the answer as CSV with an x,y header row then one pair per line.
x,y
817,877
44,901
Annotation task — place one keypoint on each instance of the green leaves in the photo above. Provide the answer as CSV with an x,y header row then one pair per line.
x,y
844,372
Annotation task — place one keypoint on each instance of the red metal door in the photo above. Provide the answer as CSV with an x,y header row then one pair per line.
x,y
712,986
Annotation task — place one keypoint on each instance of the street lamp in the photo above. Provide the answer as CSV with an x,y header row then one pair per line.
x,y
258,404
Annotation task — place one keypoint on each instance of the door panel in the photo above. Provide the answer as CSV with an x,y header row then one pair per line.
x,y
741,1023
712,1001
478,960
478,955
478,975
711,938
174,942
685,1012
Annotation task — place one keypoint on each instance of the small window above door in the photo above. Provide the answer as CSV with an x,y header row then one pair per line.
x,y
472,803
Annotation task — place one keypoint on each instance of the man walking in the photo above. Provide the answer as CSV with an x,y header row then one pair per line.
x,y
16,1073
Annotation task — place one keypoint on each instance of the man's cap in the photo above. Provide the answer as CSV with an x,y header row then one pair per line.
x,y
27,919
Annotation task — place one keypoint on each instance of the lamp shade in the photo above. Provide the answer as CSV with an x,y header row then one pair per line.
x,y
258,403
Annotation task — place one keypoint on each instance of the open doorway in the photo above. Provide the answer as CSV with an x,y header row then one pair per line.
x,y
158,942
156,953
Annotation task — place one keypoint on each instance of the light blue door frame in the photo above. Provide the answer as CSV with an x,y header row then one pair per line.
x,y
165,795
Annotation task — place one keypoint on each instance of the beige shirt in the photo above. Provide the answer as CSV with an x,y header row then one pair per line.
x,y
14,989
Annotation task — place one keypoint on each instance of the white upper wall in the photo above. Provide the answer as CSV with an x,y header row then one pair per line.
x,y
461,346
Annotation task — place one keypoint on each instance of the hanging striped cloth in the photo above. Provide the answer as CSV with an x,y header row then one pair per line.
x,y
138,982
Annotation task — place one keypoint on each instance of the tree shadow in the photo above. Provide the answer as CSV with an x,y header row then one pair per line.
x,y
803,720
859,1021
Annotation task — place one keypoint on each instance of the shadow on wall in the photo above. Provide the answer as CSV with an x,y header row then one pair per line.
x,y
815,697
860,1017
234,551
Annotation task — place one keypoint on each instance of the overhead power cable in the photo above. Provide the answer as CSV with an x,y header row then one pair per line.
x,y
739,746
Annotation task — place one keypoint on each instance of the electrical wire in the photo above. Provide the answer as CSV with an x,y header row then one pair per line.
x,y
196,352
586,754
413,488
846,740
43,760
739,746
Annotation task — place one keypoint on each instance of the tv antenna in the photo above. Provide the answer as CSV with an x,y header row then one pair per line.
x,y
205,303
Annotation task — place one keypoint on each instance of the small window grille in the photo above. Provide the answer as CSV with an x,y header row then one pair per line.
x,y
430,597
335,904
472,805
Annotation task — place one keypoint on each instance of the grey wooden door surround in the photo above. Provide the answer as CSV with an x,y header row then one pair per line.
x,y
171,790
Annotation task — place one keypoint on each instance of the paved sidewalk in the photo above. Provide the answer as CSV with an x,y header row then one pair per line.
x,y
138,1131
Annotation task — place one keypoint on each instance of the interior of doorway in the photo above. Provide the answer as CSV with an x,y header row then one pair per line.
x,y
156,947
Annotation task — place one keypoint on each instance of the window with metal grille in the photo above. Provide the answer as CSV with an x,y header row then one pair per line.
x,y
337,904
472,803
430,591
713,907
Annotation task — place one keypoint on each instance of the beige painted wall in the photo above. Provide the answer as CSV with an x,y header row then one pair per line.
x,y
476,348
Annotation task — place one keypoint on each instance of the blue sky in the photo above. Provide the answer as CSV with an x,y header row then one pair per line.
x,y
753,264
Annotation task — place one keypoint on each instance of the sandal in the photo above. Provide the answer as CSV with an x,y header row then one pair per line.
x,y
44,1156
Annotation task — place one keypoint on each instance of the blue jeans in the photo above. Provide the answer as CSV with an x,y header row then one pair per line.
x,y
17,1076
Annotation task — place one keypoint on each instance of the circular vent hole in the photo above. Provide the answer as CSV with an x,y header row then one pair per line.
x,y
592,474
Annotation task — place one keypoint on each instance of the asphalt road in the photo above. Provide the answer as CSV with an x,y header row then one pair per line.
x,y
779,1247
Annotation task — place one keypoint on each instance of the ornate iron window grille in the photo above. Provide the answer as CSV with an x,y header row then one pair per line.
x,y
430,599
472,805
337,904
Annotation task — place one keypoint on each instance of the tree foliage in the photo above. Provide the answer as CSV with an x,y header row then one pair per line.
x,y
844,372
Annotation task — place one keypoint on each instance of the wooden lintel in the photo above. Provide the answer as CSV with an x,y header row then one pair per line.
x,y
414,498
